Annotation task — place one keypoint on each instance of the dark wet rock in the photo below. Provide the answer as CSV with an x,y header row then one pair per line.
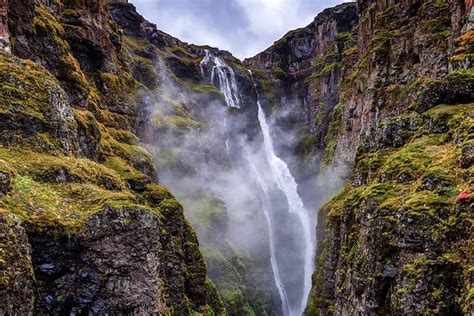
x,y
467,155
114,268
455,88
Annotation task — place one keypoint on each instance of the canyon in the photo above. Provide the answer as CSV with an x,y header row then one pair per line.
x,y
142,175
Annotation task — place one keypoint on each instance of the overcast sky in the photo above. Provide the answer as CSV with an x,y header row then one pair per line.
x,y
243,27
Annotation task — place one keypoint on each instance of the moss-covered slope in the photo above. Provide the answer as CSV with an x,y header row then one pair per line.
x,y
397,240
396,236
87,227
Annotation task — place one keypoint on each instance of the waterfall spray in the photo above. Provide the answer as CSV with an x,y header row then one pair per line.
x,y
276,177
286,183
266,204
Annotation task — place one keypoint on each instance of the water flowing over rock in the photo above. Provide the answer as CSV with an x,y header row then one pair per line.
x,y
223,77
286,183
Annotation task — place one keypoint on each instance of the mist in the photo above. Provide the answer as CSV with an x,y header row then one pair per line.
x,y
238,194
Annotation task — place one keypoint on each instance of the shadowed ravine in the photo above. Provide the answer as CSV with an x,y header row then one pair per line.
x,y
278,174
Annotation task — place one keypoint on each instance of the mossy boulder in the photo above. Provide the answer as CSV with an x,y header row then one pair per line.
x,y
456,87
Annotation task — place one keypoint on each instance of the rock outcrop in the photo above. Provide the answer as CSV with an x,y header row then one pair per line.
x,y
85,227
392,107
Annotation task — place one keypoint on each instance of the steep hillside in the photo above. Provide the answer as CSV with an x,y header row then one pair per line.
x,y
85,227
399,120
98,104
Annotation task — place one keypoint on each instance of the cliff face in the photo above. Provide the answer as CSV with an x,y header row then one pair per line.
x,y
299,77
395,240
89,91
85,227
97,105
387,98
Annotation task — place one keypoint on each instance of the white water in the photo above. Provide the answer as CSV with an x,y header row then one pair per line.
x,y
267,208
223,77
286,183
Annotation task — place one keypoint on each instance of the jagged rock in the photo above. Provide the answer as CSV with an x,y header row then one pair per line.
x,y
467,155
455,88
300,76
113,268
34,105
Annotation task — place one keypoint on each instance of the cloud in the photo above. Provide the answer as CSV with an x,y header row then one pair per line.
x,y
243,27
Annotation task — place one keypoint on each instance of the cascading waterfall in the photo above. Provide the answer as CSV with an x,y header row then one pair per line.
x,y
266,204
223,77
286,183
275,176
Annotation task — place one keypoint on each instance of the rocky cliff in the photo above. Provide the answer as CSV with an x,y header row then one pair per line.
x,y
85,227
386,97
299,77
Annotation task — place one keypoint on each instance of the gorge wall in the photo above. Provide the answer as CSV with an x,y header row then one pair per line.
x,y
85,228
370,105
390,103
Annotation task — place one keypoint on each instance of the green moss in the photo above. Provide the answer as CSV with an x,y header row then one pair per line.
x,y
419,180
235,303
47,26
16,269
210,211
381,43
324,72
135,178
207,89
54,169
181,52
119,87
136,155
181,122
342,37
279,73
124,136
62,192
64,207
330,140
26,88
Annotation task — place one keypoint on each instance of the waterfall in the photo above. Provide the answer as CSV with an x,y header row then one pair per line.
x,y
266,204
274,180
286,183
223,77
